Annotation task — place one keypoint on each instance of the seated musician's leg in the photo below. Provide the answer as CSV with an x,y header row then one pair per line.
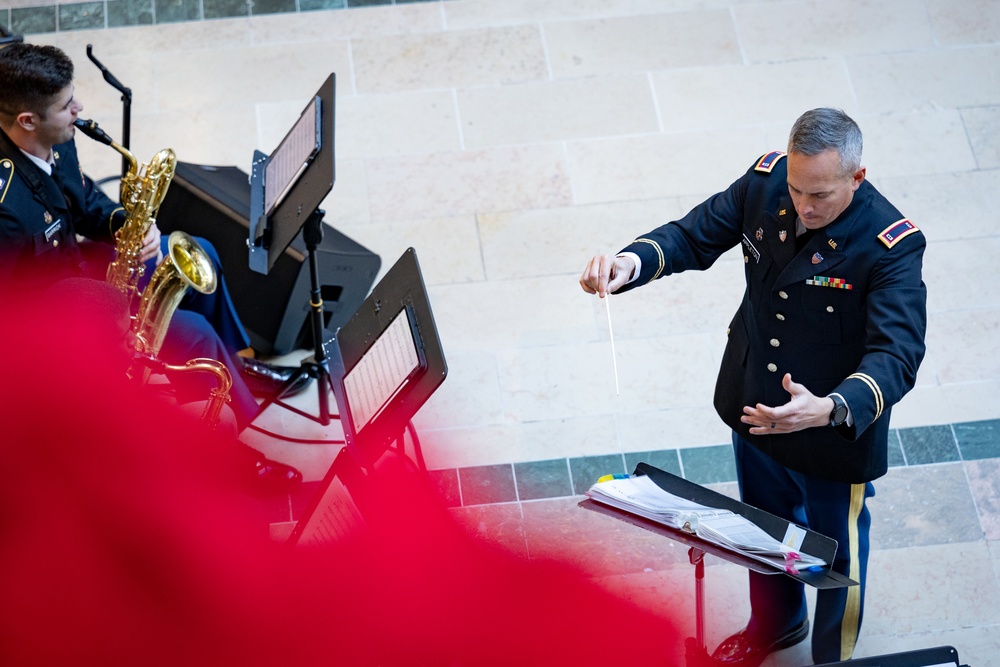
x,y
262,379
190,336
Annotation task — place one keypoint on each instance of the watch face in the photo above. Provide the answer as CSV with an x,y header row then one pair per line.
x,y
839,415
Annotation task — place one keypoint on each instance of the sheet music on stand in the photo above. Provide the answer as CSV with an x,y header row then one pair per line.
x,y
641,496
336,513
813,543
380,374
293,155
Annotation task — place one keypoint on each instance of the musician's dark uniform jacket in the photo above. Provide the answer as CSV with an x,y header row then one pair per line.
x,y
846,314
40,217
39,220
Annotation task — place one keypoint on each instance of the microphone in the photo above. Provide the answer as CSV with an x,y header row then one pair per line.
x,y
91,129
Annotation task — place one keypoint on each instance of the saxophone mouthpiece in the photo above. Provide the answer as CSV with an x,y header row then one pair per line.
x,y
91,129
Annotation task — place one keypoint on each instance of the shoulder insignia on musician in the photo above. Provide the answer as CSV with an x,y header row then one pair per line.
x,y
767,162
896,232
6,175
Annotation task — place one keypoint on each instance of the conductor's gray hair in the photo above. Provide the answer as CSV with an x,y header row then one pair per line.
x,y
822,129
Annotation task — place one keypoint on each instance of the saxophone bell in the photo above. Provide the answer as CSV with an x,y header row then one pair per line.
x,y
186,265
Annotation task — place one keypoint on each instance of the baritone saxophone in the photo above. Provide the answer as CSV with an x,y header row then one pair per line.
x,y
185,266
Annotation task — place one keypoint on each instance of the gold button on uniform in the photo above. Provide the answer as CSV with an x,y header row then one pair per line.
x,y
781,318
775,342
55,244
783,294
772,367
829,309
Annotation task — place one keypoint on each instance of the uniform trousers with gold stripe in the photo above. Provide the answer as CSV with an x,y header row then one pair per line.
x,y
834,509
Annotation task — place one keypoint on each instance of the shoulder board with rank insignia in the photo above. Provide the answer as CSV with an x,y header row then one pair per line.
x,y
766,163
896,232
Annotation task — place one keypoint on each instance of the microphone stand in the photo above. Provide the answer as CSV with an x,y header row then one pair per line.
x,y
126,103
9,37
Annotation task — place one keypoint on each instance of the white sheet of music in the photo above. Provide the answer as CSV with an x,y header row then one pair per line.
x,y
291,157
382,371
336,519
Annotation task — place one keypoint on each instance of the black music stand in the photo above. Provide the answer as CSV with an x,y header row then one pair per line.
x,y
386,361
938,656
696,652
286,189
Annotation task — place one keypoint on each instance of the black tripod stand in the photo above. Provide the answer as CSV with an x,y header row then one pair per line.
x,y
318,365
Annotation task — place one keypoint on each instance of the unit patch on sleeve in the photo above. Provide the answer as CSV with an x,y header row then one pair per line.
x,y
766,163
896,232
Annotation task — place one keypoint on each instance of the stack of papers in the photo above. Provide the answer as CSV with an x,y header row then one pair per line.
x,y
642,497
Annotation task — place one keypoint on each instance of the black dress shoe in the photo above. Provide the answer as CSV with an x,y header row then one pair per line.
x,y
742,650
265,380
271,478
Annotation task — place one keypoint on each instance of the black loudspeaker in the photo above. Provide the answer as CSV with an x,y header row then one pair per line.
x,y
214,203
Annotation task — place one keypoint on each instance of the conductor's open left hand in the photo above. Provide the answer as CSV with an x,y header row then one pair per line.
x,y
804,410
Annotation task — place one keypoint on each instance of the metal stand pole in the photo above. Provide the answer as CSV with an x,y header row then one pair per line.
x,y
696,653
318,366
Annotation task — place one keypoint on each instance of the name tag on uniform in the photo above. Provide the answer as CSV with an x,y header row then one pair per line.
x,y
749,246
52,229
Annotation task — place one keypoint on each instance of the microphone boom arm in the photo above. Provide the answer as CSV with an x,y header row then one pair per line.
x,y
126,102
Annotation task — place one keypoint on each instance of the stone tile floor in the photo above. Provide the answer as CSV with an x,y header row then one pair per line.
x,y
510,141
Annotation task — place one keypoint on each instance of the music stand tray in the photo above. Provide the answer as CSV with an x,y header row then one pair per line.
x,y
814,544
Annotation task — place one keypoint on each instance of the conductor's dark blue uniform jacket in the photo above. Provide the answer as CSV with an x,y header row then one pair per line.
x,y
845,314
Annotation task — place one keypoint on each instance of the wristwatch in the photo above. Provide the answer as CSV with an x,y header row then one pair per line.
x,y
839,414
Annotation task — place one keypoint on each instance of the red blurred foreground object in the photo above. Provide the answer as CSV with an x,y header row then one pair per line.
x,y
124,539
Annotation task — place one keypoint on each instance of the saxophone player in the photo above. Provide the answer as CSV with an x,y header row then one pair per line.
x,y
46,201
